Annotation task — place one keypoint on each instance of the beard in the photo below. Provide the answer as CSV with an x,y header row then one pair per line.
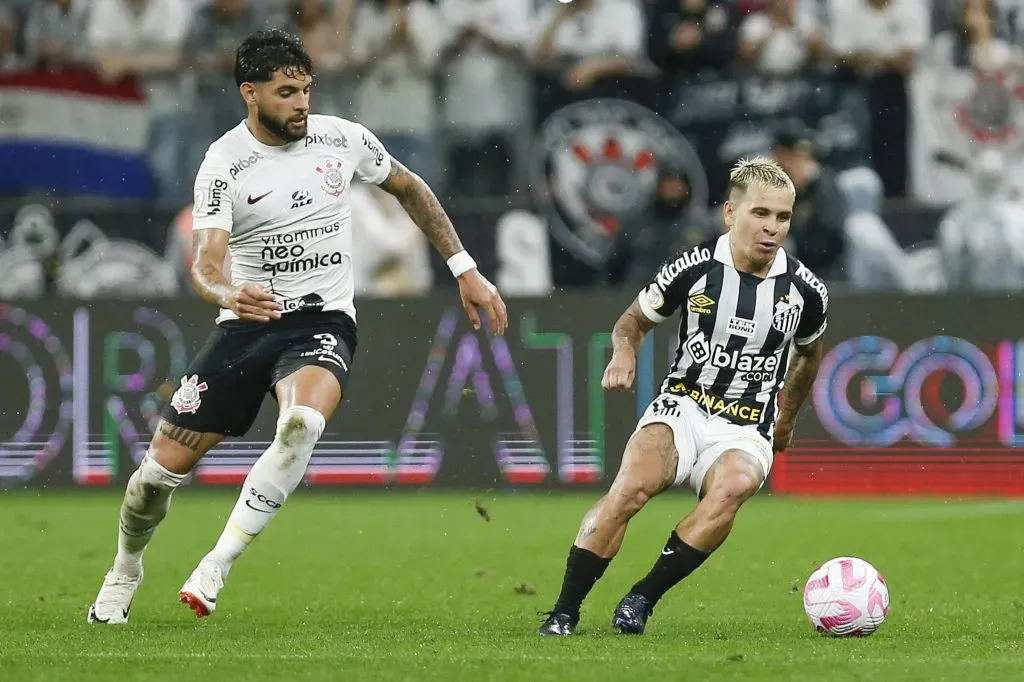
x,y
281,129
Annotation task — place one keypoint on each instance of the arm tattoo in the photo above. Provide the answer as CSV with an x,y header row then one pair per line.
x,y
207,276
182,436
799,380
630,329
422,205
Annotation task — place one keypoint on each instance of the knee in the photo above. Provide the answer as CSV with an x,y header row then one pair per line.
x,y
299,428
734,486
628,497
150,482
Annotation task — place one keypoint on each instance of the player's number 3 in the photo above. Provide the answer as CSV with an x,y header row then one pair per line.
x,y
480,295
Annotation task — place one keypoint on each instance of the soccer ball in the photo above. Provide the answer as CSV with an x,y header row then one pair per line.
x,y
846,597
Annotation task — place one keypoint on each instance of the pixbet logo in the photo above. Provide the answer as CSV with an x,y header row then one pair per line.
x,y
244,164
327,141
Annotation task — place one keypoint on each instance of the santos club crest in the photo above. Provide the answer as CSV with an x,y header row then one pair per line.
x,y
787,315
186,399
596,168
333,179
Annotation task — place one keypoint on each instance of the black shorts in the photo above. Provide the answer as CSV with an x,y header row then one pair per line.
x,y
224,386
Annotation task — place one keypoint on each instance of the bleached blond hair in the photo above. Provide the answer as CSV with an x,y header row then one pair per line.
x,y
758,171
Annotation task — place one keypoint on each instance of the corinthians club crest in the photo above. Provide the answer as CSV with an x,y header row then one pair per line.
x,y
333,179
186,400
596,165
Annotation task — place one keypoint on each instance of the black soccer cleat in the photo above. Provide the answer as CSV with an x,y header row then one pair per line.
x,y
558,624
631,614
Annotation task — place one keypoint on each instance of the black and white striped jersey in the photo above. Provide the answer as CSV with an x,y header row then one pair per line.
x,y
735,329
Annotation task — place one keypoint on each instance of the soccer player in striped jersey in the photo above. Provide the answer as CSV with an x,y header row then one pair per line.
x,y
750,343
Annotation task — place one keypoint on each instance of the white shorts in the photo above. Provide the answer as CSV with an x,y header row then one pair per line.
x,y
701,440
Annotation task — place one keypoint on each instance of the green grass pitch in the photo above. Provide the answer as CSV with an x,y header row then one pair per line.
x,y
418,586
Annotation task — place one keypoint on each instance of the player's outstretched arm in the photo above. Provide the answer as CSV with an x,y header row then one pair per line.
x,y
422,205
799,380
248,301
627,336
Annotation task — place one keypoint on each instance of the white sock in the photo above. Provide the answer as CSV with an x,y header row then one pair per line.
x,y
146,501
271,480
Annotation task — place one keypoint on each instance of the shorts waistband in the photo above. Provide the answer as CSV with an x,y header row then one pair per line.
x,y
745,412
296,318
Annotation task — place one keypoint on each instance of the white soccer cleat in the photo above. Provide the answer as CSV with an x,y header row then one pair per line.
x,y
201,589
114,601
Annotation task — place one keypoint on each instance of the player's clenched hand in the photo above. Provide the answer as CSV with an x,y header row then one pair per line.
x,y
477,292
619,374
252,302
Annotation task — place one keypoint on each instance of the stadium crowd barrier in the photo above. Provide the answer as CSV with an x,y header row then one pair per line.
x,y
916,395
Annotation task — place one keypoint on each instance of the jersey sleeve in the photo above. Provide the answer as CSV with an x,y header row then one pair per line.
x,y
660,299
813,318
212,198
373,162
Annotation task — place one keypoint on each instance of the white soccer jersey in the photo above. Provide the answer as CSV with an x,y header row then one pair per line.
x,y
287,209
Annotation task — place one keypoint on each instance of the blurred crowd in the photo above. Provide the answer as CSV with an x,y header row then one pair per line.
x,y
448,84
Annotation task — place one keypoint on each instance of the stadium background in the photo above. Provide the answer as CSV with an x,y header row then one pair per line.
x,y
570,170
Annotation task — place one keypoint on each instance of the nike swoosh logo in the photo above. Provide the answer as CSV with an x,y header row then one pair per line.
x,y
333,362
253,200
249,505
667,552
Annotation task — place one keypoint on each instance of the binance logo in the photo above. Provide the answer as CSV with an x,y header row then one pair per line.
x,y
701,304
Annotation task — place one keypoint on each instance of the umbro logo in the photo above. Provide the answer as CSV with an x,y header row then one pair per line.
x,y
701,304
252,200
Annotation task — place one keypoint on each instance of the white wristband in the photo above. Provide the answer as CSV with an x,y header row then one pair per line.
x,y
461,263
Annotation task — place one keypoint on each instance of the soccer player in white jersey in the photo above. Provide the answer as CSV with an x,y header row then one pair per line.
x,y
751,321
272,193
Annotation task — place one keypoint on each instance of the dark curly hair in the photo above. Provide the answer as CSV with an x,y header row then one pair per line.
x,y
267,51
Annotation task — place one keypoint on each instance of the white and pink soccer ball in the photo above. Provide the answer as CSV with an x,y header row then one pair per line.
x,y
846,597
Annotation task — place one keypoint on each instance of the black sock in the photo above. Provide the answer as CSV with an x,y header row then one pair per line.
x,y
677,561
583,568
